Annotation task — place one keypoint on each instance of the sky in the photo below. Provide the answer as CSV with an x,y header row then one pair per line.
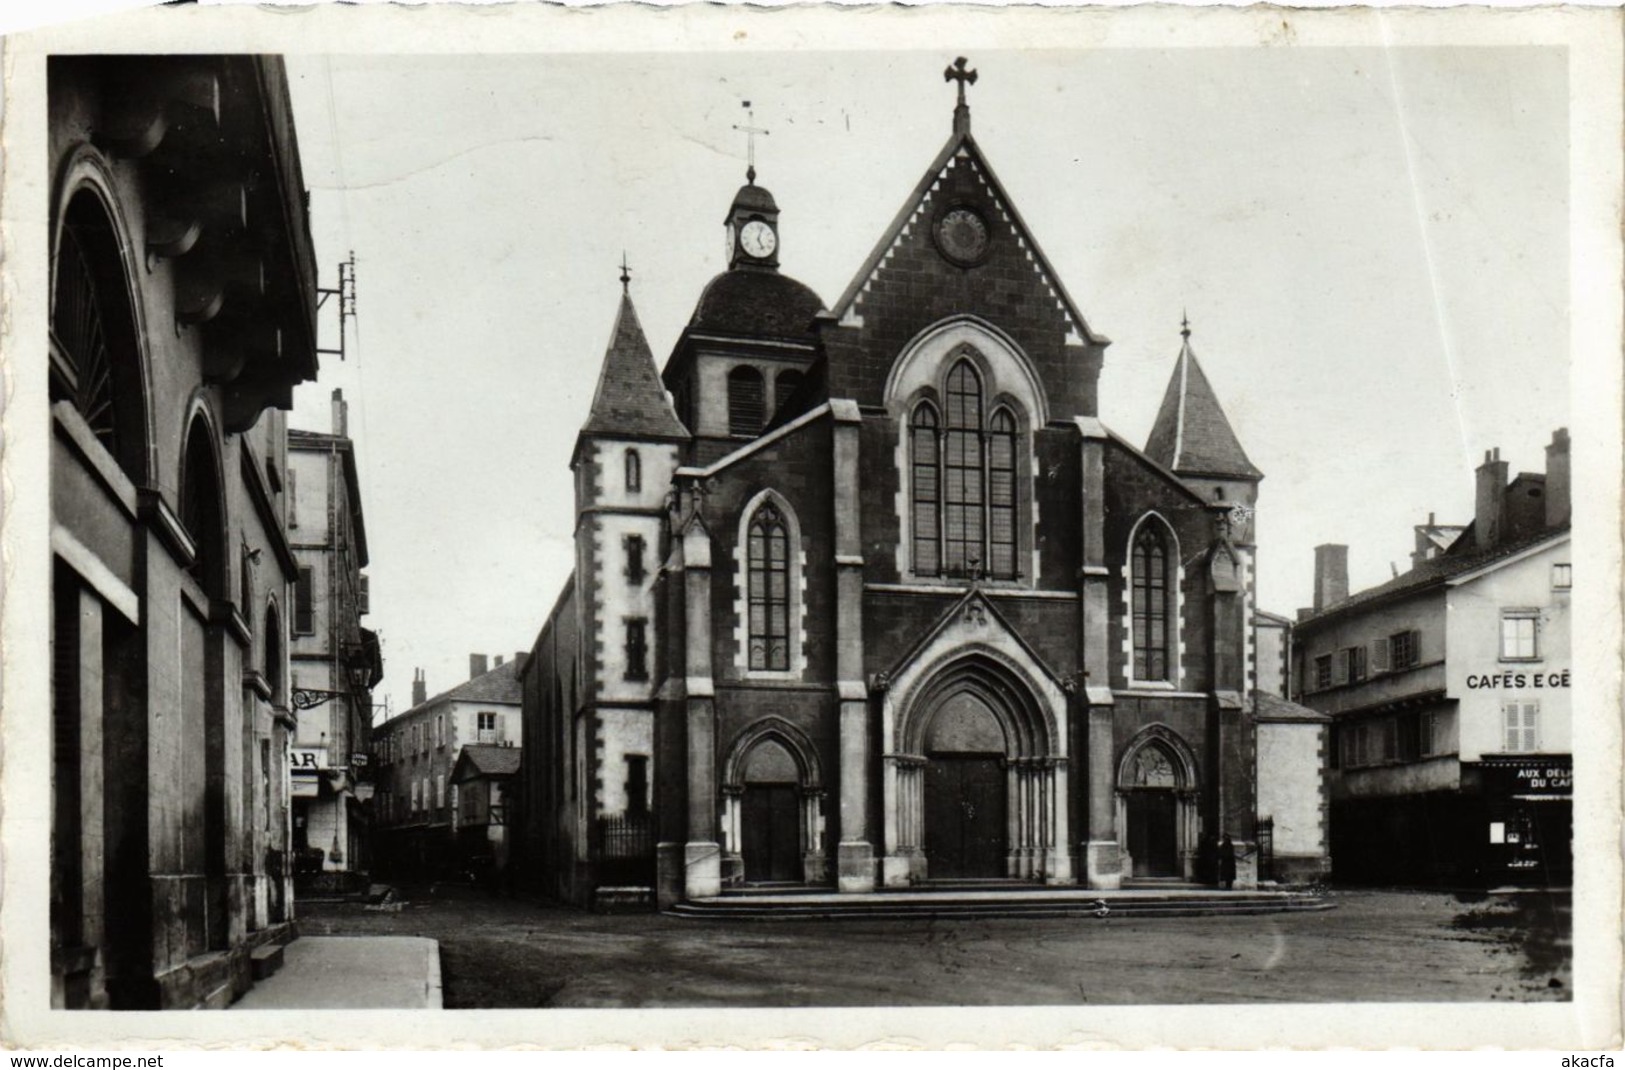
x,y
1372,246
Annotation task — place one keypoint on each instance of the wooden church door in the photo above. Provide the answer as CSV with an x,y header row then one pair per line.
x,y
772,840
1151,833
965,833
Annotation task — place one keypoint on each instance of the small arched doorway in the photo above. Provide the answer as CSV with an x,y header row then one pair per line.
x,y
966,795
772,817
1156,795
771,811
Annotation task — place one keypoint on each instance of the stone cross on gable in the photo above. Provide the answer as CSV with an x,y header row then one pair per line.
x,y
750,130
959,72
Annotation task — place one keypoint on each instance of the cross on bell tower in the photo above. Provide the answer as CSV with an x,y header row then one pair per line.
x,y
750,130
958,72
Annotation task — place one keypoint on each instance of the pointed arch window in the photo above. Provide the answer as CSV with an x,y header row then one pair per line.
x,y
963,483
769,566
1149,569
927,491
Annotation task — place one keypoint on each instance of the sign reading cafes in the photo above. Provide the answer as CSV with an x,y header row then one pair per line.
x,y
1517,680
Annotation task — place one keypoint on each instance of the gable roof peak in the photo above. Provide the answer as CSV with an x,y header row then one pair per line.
x,y
630,399
1192,435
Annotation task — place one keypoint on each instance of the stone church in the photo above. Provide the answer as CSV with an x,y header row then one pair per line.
x,y
868,595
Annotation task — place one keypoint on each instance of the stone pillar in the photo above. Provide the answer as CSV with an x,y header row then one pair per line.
x,y
1103,867
814,863
1101,859
733,859
1057,849
855,862
702,854
904,861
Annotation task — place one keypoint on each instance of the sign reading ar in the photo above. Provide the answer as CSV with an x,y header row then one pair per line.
x,y
308,759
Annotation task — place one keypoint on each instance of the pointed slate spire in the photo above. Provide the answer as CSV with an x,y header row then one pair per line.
x,y
630,401
1192,436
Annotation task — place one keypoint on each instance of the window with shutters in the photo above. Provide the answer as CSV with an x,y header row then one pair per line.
x,y
745,401
1521,720
304,602
1353,667
1323,672
440,791
1151,616
1562,577
440,730
487,727
1404,650
1520,633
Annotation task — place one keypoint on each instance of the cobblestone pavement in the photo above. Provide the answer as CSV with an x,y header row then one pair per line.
x,y
1377,945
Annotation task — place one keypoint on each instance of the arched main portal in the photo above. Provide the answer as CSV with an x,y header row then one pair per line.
x,y
1157,805
977,785
773,819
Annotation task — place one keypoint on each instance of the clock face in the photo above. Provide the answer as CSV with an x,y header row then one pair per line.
x,y
962,235
758,239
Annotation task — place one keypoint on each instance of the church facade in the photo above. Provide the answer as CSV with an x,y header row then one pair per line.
x,y
868,595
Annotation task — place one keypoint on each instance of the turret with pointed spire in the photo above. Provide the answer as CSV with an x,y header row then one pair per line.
x,y
1193,438
630,401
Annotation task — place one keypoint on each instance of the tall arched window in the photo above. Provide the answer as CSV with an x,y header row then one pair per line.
x,y
634,472
963,484
94,352
1001,494
769,566
962,472
273,653
200,509
927,491
1149,569
745,401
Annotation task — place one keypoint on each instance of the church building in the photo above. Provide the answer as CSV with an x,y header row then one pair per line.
x,y
867,595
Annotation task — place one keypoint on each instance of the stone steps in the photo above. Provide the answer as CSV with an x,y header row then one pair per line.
x,y
1015,902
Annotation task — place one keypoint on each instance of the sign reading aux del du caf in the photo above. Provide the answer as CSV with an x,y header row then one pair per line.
x,y
1536,775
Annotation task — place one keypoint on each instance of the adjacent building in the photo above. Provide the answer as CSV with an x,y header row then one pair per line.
x,y
182,315
1449,688
336,661
418,806
868,595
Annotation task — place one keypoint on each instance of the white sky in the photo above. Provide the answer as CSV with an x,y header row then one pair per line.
x,y
1372,245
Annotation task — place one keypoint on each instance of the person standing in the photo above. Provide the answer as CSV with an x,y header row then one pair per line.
x,y
1227,862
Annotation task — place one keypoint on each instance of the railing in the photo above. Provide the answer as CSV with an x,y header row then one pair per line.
x,y
624,846
1266,848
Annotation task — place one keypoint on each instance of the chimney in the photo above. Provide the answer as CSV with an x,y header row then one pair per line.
x,y
341,414
1489,514
1557,479
518,656
498,660
477,665
420,688
1331,575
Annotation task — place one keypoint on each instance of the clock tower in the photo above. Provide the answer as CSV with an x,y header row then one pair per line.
x,y
753,228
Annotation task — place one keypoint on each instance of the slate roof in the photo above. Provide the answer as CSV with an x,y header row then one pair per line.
x,y
1275,709
1192,436
490,760
501,684
630,399
758,303
1460,559
961,146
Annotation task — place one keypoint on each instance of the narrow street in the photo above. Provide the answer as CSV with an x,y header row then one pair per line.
x,y
1375,946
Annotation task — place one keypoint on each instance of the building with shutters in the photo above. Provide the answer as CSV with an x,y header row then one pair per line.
x,y
1448,687
182,315
417,808
867,594
336,662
